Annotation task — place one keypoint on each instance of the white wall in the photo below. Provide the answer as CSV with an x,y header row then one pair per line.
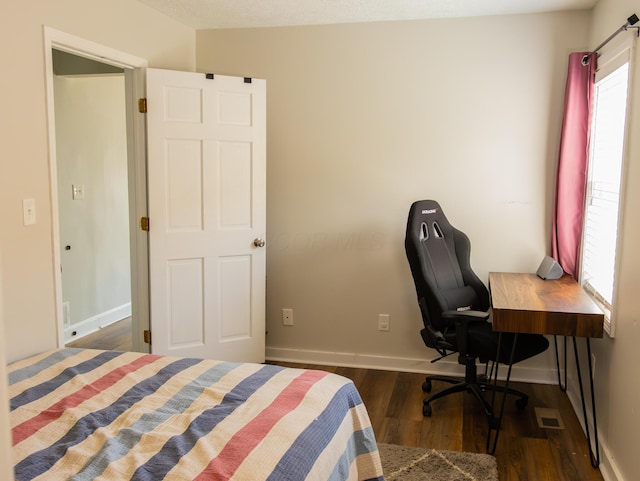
x,y
617,381
91,144
364,119
124,25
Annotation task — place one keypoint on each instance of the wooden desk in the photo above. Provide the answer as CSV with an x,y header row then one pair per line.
x,y
526,304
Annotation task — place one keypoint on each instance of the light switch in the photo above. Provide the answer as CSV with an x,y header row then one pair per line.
x,y
78,191
29,211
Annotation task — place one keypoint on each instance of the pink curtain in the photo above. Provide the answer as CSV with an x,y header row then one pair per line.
x,y
571,180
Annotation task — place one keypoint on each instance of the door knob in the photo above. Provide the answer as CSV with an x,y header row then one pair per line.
x,y
258,242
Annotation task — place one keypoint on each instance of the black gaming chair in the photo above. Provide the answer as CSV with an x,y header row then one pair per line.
x,y
455,305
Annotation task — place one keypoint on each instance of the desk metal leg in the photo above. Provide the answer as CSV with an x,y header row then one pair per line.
x,y
563,388
495,423
595,459
494,379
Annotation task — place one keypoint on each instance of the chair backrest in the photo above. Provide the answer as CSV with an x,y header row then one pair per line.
x,y
439,258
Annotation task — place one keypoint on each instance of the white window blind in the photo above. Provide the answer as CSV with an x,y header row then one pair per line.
x,y
603,187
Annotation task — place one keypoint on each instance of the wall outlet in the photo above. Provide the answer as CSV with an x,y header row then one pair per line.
x,y
77,191
287,317
383,322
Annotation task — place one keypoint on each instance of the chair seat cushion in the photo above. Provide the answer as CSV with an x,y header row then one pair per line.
x,y
483,343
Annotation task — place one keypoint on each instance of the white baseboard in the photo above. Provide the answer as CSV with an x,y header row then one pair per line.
x,y
80,329
447,367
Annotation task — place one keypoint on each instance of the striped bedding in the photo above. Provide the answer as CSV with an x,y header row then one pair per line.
x,y
85,414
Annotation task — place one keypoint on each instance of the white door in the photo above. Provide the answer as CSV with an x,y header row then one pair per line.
x,y
207,194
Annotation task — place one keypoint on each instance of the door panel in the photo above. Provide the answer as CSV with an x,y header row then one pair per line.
x,y
183,104
235,297
207,193
184,185
235,192
185,302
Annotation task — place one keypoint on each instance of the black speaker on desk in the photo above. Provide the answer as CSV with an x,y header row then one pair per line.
x,y
549,269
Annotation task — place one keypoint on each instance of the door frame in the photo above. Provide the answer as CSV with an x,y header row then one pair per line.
x,y
134,68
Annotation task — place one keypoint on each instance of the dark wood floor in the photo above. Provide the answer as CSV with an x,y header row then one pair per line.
x,y
525,451
115,337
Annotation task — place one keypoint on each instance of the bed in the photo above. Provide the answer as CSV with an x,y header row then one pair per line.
x,y
85,414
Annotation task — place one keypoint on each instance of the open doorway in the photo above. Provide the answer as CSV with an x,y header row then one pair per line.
x,y
98,183
93,199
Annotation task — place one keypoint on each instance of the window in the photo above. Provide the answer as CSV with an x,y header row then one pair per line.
x,y
605,173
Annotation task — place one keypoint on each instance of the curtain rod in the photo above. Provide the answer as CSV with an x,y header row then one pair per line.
x,y
632,20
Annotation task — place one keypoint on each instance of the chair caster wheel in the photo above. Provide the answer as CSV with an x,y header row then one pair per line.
x,y
426,410
426,386
521,403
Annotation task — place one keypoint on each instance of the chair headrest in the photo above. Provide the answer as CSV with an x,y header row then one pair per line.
x,y
426,212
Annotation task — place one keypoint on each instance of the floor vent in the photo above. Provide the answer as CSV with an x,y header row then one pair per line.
x,y
549,418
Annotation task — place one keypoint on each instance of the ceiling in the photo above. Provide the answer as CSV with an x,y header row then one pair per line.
x,y
211,14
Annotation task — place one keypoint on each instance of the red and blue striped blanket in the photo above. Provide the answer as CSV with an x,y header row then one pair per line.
x,y
87,414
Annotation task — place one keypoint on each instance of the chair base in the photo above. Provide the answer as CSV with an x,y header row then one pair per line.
x,y
470,384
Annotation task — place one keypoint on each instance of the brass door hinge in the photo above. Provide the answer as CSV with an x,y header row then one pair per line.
x,y
147,336
142,106
144,223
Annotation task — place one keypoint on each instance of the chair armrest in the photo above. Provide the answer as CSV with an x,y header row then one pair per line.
x,y
466,316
